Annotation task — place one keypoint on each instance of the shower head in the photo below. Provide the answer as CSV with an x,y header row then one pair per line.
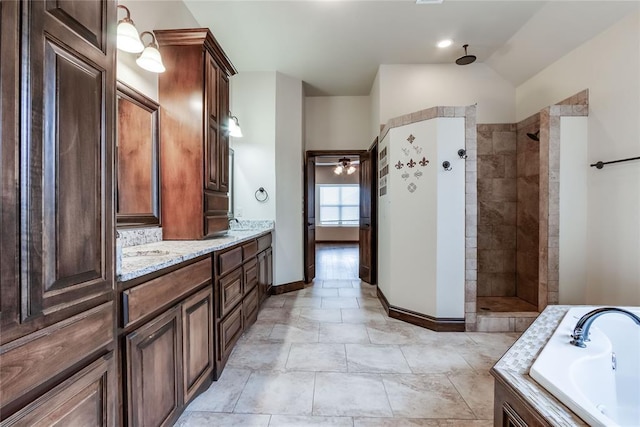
x,y
534,136
466,59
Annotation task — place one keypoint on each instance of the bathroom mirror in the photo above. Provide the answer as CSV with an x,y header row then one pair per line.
x,y
231,198
138,187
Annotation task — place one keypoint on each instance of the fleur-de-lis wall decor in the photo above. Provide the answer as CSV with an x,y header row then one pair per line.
x,y
411,163
399,165
424,162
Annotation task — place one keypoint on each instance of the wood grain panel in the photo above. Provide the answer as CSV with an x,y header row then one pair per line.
x,y
249,249
211,174
229,260
229,330
154,371
149,297
212,88
250,270
223,135
197,340
85,399
28,363
138,192
231,291
86,18
250,306
264,242
216,203
216,224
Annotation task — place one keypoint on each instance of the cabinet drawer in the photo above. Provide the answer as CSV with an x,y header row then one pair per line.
x,y
264,242
229,330
250,275
215,225
249,250
229,260
144,299
216,203
250,306
231,291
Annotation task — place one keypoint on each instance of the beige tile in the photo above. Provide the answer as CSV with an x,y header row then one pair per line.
x,y
257,332
369,303
223,394
495,324
319,291
501,341
332,315
392,333
207,419
270,356
340,302
425,396
270,314
309,421
354,292
275,301
287,393
376,359
466,423
481,358
344,333
350,395
477,392
337,284
362,315
303,302
426,359
394,422
317,357
437,339
301,331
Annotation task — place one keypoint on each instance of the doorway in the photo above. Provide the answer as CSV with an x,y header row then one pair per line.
x,y
339,207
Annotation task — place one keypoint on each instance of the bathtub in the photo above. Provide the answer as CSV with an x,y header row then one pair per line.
x,y
584,380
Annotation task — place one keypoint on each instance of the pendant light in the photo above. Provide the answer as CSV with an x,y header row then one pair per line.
x,y
150,58
234,127
128,39
344,165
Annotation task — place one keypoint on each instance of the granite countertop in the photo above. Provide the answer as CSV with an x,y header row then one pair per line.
x,y
143,259
514,367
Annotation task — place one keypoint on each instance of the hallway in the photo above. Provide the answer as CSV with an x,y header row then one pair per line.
x,y
328,355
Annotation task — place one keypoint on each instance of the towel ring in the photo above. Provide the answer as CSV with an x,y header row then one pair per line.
x,y
261,195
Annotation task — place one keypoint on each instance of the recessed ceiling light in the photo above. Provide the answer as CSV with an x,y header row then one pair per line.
x,y
445,43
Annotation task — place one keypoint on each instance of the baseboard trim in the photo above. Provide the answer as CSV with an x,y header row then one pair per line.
x,y
442,324
287,287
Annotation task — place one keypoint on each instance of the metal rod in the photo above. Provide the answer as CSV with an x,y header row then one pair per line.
x,y
600,165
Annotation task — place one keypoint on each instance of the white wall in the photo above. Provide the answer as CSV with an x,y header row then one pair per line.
x,y
408,88
288,253
150,15
337,122
573,210
421,242
253,101
325,175
374,108
609,66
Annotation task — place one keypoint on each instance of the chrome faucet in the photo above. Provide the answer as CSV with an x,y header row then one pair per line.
x,y
581,331
233,219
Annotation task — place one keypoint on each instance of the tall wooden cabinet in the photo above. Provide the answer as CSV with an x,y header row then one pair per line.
x,y
194,94
57,279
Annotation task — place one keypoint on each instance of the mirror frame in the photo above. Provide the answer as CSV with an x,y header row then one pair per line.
x,y
143,219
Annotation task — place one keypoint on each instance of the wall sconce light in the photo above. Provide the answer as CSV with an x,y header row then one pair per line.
x,y
150,58
128,39
234,127
344,164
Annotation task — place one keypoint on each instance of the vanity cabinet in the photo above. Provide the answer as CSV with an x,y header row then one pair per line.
x,y
510,410
168,341
194,154
240,286
56,275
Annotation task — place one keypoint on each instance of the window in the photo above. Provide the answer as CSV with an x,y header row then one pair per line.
x,y
339,204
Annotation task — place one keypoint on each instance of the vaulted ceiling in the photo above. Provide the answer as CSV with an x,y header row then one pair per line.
x,y
335,47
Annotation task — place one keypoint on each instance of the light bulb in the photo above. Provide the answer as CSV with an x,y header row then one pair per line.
x,y
351,170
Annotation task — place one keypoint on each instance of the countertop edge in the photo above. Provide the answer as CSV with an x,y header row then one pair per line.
x,y
176,259
513,368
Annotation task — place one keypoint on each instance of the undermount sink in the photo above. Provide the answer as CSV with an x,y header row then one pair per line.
x,y
146,253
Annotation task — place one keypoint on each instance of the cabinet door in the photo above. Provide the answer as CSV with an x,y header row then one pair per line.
x,y
86,399
211,167
197,340
250,269
223,137
269,263
262,275
212,89
66,154
231,291
154,371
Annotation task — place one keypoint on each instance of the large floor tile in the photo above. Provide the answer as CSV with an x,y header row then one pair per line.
x,y
500,341
376,359
362,315
391,333
340,394
303,302
339,302
209,419
223,394
319,291
370,302
283,314
480,357
465,423
425,396
289,393
259,331
302,331
309,421
331,315
267,356
354,292
275,301
394,422
344,333
337,284
477,391
317,357
425,359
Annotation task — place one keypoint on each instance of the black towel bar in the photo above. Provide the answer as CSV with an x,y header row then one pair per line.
x,y
600,165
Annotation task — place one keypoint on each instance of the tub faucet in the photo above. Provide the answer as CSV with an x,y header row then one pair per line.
x,y
581,331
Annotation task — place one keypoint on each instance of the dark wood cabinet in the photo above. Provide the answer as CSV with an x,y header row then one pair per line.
x,y
154,371
197,341
194,141
265,273
510,410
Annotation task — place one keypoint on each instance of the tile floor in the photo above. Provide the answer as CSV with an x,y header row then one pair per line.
x,y
328,355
